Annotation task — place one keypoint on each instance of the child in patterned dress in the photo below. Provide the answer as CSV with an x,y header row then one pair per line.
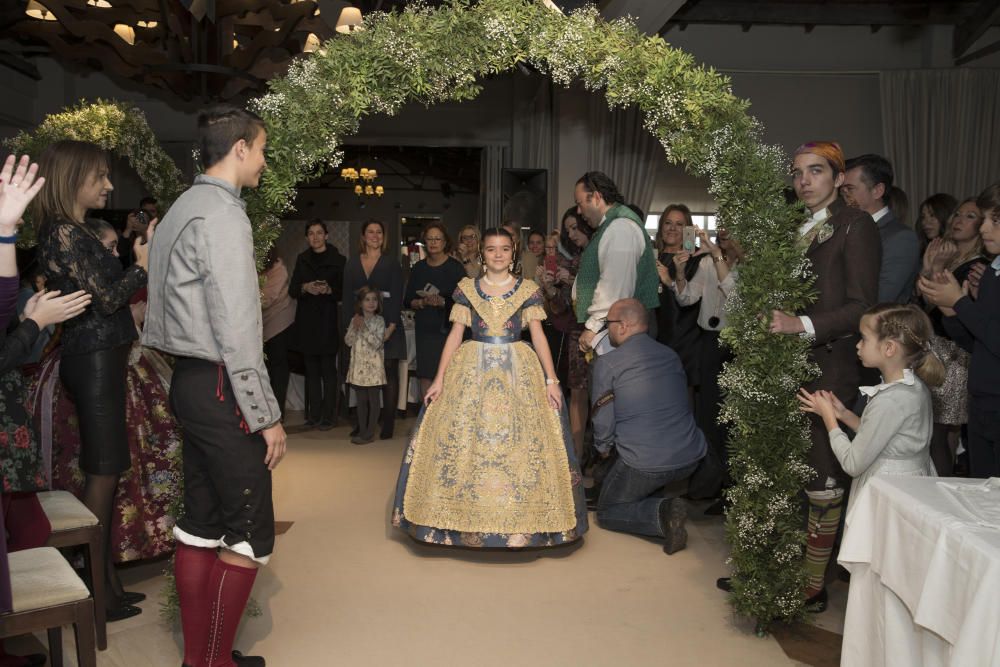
x,y
366,337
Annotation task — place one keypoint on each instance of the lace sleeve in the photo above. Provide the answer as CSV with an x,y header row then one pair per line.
x,y
531,313
461,314
71,256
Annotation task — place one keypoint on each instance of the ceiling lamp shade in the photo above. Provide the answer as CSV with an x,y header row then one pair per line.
x,y
36,10
350,20
126,32
101,4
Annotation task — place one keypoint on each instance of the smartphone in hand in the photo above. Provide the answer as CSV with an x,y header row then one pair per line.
x,y
689,238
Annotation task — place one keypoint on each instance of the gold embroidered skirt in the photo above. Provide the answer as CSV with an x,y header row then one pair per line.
x,y
491,463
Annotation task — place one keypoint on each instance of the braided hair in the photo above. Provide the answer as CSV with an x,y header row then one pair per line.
x,y
911,329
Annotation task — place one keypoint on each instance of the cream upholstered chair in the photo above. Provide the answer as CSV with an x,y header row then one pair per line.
x,y
72,525
47,594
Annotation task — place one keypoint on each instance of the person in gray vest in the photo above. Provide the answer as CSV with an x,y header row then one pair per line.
x,y
204,308
640,408
619,262
867,186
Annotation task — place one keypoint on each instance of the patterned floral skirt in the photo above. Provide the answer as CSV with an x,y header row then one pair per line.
x,y
22,467
490,464
142,526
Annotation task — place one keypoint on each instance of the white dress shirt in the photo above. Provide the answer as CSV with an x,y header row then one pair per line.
x,y
618,253
816,218
713,294
881,213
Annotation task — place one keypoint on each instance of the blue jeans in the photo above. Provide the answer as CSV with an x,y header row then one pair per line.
x,y
625,503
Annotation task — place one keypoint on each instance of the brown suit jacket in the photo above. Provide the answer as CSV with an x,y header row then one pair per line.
x,y
846,267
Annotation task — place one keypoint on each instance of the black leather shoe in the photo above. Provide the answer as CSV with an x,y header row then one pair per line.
x,y
248,660
133,597
325,425
385,435
724,584
673,514
122,612
817,604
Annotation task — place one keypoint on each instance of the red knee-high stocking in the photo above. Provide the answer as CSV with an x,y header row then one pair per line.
x,y
229,586
27,525
192,571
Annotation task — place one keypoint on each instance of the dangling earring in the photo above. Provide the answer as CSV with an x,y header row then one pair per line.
x,y
510,267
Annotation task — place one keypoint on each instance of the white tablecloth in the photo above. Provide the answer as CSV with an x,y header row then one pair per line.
x,y
925,577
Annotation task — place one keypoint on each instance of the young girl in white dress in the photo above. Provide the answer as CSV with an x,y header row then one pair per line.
x,y
893,434
366,338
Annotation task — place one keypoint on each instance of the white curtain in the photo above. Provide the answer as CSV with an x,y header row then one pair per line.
x,y
492,163
532,132
624,150
942,130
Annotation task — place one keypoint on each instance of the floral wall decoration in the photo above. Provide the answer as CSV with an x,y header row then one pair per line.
x,y
118,127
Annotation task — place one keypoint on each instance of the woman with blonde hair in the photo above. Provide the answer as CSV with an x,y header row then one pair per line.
x,y
960,251
95,345
467,251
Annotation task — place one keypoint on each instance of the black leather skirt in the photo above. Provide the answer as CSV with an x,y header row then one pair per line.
x,y
96,384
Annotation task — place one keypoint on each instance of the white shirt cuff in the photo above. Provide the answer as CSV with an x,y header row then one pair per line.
x,y
594,325
807,324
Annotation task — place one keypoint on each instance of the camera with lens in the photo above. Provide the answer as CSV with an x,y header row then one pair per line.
x,y
141,217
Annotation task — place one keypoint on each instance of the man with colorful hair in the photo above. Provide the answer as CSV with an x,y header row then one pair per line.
x,y
843,246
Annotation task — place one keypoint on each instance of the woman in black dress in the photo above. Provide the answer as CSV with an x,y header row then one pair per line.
x,y
377,268
95,346
677,325
432,282
317,283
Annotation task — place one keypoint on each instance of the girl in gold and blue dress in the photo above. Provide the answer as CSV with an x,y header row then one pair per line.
x,y
491,462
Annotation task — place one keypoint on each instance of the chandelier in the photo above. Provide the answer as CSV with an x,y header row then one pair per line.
x,y
196,49
367,177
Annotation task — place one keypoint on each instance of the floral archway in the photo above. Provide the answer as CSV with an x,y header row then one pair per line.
x,y
431,55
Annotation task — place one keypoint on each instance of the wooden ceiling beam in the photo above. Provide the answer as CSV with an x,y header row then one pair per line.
x,y
650,15
967,32
987,50
838,13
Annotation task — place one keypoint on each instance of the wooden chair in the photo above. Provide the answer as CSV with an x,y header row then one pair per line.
x,y
74,525
47,595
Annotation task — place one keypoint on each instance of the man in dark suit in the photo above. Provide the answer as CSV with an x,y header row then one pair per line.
x,y
844,248
867,183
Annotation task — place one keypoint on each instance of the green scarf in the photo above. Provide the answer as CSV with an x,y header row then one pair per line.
x,y
646,280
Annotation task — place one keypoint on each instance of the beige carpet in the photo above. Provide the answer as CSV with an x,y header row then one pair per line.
x,y
343,588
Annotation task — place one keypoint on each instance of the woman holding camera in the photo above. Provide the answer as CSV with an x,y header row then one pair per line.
x,y
316,284
95,345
